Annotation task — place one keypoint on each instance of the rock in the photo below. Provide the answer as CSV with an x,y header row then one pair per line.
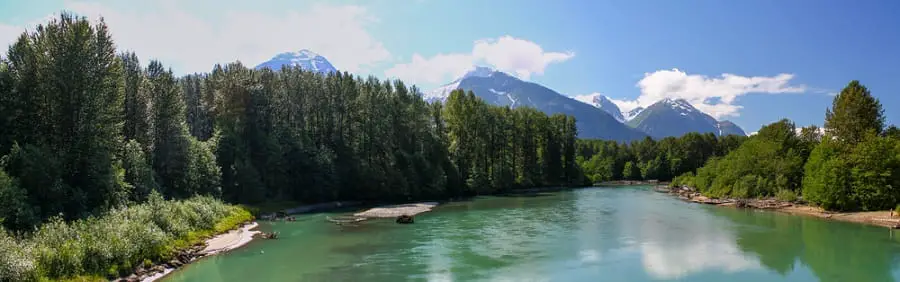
x,y
175,263
140,271
132,278
159,268
405,219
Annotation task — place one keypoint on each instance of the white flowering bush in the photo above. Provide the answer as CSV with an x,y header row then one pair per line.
x,y
16,260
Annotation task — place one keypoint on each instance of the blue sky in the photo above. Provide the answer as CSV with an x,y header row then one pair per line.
x,y
782,58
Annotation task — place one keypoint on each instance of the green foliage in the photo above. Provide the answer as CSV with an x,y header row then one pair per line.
x,y
138,172
827,180
875,173
786,195
865,176
661,160
768,162
631,171
15,212
113,244
854,113
67,89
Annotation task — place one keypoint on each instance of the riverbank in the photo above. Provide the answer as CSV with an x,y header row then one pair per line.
x,y
876,218
631,183
224,242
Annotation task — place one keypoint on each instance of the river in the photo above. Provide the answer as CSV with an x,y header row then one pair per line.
x,y
593,234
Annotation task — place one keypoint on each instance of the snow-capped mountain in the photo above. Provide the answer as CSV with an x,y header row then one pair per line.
x,y
306,59
601,102
632,113
441,93
499,88
676,117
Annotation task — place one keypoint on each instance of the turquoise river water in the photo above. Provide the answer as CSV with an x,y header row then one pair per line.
x,y
593,234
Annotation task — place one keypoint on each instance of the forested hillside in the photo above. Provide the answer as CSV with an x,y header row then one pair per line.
x,y
855,165
84,128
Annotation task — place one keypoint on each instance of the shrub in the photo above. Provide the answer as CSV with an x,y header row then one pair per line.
x,y
786,195
113,244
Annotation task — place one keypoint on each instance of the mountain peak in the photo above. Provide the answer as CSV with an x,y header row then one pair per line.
x,y
441,93
479,71
306,59
676,117
601,102
679,104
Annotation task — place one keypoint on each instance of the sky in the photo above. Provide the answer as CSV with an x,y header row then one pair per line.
x,y
752,62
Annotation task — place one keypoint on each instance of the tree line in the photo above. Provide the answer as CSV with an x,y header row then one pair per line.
x,y
85,128
649,159
854,165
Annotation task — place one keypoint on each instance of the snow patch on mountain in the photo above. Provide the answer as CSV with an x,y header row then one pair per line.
x,y
679,104
441,93
629,115
601,102
306,59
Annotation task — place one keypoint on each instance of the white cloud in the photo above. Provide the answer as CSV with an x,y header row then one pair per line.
x,y
8,35
432,70
192,43
587,98
713,95
519,57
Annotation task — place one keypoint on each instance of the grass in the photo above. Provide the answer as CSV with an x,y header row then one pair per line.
x,y
113,245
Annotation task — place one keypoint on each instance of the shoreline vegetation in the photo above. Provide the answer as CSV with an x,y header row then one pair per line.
x,y
126,244
876,218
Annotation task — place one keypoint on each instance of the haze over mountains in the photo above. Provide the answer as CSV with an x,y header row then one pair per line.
x,y
596,115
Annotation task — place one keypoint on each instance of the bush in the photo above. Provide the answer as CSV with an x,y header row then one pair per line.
x,y
115,243
786,195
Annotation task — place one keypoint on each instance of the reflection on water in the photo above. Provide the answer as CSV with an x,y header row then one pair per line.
x,y
603,234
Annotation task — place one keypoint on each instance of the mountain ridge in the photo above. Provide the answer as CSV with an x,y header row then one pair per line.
x,y
306,59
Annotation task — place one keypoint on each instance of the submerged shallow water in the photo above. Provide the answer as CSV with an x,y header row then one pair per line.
x,y
596,234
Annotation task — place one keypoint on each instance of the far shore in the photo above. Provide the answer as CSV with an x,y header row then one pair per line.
x,y
875,218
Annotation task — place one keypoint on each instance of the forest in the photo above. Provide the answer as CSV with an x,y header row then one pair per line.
x,y
86,128
90,136
648,159
854,164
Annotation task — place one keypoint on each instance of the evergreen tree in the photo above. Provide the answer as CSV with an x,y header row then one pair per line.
x,y
854,113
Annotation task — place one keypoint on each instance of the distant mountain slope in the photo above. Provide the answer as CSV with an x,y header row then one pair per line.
x,y
729,128
499,88
676,117
306,59
601,102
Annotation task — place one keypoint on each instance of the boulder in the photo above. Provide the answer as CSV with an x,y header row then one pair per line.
x,y
140,271
405,219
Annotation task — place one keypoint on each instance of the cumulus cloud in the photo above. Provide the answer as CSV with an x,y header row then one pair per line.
x,y
8,34
519,57
713,95
432,70
192,43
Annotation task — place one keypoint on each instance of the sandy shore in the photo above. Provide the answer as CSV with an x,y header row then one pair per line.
x,y
876,218
397,210
221,243
231,240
